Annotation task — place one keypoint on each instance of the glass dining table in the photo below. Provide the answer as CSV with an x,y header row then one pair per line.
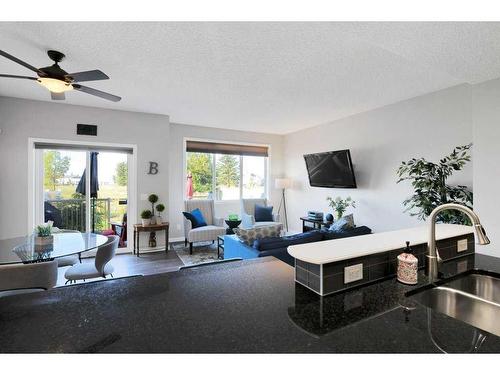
x,y
25,250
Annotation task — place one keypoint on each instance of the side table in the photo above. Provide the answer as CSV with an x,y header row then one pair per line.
x,y
316,224
138,228
232,224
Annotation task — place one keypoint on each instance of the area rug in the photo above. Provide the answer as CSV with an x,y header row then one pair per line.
x,y
203,252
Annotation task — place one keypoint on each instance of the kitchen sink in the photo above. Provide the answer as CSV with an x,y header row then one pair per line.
x,y
483,286
473,298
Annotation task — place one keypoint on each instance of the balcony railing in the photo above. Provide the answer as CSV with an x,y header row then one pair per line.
x,y
70,213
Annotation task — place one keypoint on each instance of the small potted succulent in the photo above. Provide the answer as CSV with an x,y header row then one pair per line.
x,y
159,208
153,198
146,217
233,217
44,234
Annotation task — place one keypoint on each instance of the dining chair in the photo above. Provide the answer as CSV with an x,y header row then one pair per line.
x,y
100,267
70,259
27,278
121,231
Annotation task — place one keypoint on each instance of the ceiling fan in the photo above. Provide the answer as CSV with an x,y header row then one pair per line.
x,y
58,81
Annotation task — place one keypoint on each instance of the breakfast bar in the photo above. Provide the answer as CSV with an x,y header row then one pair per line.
x,y
331,266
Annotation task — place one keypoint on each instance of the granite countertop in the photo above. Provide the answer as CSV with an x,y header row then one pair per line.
x,y
245,306
353,247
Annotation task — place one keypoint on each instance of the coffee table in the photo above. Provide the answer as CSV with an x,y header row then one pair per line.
x,y
220,245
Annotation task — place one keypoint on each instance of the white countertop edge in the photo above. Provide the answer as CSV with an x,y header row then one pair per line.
x,y
336,250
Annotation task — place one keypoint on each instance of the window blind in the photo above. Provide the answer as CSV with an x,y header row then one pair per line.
x,y
226,148
75,147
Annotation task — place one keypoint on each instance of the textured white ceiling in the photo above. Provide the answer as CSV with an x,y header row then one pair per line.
x,y
269,77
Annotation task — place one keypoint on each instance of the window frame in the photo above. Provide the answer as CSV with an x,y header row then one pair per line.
x,y
35,178
214,173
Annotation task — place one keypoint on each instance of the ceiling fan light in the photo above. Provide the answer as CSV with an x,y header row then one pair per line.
x,y
55,85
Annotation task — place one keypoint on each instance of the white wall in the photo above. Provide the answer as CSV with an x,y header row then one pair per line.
x,y
178,132
428,126
21,119
486,119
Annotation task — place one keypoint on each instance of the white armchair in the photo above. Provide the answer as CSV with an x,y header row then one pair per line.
x,y
248,214
213,229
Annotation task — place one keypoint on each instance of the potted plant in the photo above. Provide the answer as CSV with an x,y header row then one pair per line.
x,y
232,222
232,217
429,182
153,198
160,208
146,217
44,234
340,205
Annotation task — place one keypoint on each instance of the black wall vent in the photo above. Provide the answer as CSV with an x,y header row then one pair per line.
x,y
84,129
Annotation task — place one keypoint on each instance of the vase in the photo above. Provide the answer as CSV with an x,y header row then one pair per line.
x,y
42,241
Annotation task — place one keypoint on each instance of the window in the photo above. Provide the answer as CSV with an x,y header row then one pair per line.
x,y
227,177
254,177
221,174
200,171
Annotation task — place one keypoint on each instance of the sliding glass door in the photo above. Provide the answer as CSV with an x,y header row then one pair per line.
x,y
63,203
82,190
112,200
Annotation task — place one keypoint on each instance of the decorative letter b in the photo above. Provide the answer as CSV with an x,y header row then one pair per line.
x,y
153,167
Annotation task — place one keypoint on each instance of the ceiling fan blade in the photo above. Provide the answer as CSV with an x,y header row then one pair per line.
x,y
20,77
21,62
57,96
89,75
101,94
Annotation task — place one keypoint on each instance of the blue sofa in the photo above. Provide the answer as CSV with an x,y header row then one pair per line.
x,y
277,246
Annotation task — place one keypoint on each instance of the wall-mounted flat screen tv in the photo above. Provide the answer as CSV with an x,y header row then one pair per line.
x,y
331,169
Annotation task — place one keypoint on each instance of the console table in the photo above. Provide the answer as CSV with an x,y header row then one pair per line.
x,y
316,224
138,228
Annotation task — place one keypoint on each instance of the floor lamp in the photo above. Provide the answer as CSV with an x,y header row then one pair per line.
x,y
283,184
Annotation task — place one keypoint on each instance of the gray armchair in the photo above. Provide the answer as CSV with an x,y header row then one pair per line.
x,y
214,228
27,278
248,214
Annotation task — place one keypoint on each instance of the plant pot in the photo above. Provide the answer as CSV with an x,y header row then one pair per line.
x,y
146,222
153,220
42,241
159,220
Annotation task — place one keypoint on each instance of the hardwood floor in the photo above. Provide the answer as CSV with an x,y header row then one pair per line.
x,y
129,264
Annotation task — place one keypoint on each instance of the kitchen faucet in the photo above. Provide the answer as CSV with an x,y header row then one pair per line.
x,y
432,253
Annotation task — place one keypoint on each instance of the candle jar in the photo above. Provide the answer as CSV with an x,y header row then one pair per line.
x,y
407,268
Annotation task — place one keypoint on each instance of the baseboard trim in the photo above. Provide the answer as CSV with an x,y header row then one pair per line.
x,y
176,239
127,250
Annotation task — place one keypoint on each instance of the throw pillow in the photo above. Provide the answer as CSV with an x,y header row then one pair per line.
x,y
263,213
248,236
344,223
196,218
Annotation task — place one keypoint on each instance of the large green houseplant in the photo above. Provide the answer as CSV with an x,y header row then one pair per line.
x,y
429,181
